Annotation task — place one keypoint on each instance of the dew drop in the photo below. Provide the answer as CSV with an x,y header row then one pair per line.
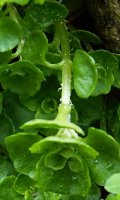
x,y
96,161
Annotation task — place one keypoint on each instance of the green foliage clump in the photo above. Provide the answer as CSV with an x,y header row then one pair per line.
x,y
59,119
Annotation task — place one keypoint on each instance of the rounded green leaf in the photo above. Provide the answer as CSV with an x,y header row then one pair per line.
x,y
112,184
7,191
10,34
103,142
21,77
17,146
84,74
61,163
44,15
107,63
107,162
86,36
23,183
35,50
62,181
35,47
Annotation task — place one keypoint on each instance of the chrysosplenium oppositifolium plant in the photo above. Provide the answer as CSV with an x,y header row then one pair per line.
x,y
56,106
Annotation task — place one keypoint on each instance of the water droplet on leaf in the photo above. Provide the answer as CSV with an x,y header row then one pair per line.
x,y
96,161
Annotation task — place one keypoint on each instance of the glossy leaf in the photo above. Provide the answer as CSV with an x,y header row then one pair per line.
x,y
7,191
35,47
112,184
108,140
48,160
67,181
53,164
86,36
10,34
23,183
21,77
44,15
84,74
63,158
106,64
107,162
23,160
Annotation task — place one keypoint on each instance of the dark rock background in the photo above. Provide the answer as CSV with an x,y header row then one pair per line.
x,y
105,15
99,16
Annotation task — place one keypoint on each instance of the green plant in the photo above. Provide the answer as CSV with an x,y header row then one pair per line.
x,y
56,106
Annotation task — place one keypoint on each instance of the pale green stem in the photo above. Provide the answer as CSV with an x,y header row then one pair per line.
x,y
19,49
65,106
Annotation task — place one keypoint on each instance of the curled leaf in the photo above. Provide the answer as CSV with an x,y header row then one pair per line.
x,y
63,160
113,184
41,123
